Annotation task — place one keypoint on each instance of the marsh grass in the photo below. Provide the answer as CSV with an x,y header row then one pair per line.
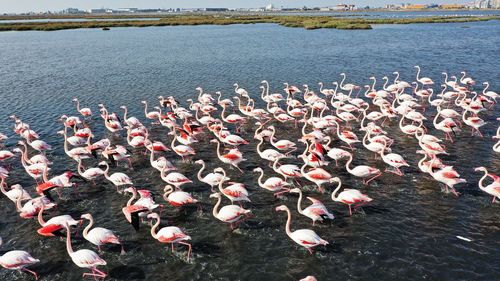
x,y
307,22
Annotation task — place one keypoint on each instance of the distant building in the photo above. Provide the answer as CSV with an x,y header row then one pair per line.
x,y
269,7
452,6
125,10
73,11
344,7
97,11
415,6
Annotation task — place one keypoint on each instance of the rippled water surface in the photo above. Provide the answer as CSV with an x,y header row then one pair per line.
x,y
407,233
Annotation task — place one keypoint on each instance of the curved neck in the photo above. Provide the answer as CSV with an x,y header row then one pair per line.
x,y
299,202
125,114
418,73
134,196
218,149
482,179
153,229
145,108
288,222
88,227
334,193
221,182
106,171
348,163
342,82
68,241
40,215
260,178
215,211
258,145
200,178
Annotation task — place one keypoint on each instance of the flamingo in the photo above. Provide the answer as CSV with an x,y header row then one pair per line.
x,y
118,179
304,237
423,80
85,258
174,178
177,198
99,235
317,175
363,171
446,176
232,214
169,234
286,170
349,196
130,211
18,260
211,179
493,188
54,224
235,192
394,160
233,157
85,111
16,191
316,211
273,184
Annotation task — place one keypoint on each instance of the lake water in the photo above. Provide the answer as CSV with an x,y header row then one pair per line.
x,y
407,233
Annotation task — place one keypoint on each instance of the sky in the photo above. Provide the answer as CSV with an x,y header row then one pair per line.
x,y
19,6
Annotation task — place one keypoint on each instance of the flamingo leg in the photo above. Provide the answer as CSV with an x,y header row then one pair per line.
x,y
30,271
189,249
374,177
350,210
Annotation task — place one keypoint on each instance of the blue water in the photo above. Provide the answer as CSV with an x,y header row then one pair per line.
x,y
407,233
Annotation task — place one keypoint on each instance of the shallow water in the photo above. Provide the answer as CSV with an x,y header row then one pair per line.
x,y
409,230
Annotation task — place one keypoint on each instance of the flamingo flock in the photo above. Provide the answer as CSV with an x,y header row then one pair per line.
x,y
334,124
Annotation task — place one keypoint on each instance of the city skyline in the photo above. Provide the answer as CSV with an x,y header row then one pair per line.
x,y
23,6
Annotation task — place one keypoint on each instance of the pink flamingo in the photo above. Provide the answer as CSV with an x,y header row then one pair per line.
x,y
349,196
85,258
99,235
316,211
18,260
304,237
169,234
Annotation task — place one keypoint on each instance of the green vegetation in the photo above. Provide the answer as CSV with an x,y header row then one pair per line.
x,y
307,22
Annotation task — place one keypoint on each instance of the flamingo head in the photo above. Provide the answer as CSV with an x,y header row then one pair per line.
x,y
215,195
309,278
294,190
262,87
421,152
282,208
75,99
143,101
153,216
16,150
144,193
199,162
214,141
86,216
123,107
235,85
103,163
263,81
129,189
482,169
258,169
168,188
335,179
218,170
199,89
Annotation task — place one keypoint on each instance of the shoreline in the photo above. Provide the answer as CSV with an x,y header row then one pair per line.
x,y
306,22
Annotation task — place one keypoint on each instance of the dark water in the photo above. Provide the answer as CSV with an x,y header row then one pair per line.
x,y
407,233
